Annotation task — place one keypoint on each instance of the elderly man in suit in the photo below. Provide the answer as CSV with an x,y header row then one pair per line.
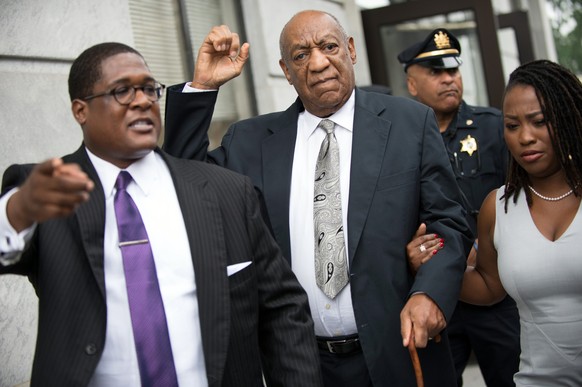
x,y
384,170
150,270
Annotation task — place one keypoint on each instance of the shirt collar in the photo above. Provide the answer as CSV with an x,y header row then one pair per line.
x,y
145,172
344,117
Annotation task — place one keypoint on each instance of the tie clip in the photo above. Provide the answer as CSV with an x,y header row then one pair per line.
x,y
131,243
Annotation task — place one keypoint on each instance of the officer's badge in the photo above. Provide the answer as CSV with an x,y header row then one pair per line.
x,y
441,40
469,145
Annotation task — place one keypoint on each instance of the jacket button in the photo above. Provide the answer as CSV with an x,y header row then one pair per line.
x,y
91,349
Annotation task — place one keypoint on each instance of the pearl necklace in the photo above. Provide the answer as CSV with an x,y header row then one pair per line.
x,y
549,199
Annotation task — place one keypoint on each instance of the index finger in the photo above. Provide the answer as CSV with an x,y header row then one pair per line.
x,y
48,167
71,176
69,169
406,329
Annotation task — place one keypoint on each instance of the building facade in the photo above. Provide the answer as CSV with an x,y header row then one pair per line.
x,y
40,39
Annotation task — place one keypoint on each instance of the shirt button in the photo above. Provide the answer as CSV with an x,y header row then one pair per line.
x,y
91,349
327,306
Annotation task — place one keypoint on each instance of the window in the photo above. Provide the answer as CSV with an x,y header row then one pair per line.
x,y
158,34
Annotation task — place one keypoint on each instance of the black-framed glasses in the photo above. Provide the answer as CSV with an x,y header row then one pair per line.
x,y
125,95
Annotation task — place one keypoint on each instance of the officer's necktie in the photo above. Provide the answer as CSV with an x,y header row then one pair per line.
x,y
331,270
148,319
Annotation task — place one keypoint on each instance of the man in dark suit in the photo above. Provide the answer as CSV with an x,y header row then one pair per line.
x,y
232,309
393,174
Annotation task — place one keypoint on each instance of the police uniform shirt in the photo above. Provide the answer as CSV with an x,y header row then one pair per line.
x,y
477,151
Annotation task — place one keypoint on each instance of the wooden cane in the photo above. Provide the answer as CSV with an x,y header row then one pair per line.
x,y
415,360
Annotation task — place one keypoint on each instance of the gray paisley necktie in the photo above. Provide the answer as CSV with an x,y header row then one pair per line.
x,y
331,270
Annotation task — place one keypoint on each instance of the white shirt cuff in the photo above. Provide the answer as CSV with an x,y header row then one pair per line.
x,y
12,243
189,89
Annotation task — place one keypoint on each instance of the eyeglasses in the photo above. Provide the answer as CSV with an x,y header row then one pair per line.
x,y
125,95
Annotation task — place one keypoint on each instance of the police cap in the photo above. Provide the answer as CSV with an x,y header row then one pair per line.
x,y
440,50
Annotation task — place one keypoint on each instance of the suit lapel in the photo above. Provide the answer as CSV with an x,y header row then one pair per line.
x,y
370,139
91,218
278,151
369,145
209,257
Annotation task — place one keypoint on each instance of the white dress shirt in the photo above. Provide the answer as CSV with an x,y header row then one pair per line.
x,y
331,317
152,191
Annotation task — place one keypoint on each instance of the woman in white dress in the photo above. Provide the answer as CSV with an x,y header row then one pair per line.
x,y
530,229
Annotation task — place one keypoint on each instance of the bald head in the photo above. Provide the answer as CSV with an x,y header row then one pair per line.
x,y
298,17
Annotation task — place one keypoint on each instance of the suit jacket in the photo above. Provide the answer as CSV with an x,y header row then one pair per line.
x,y
400,176
258,315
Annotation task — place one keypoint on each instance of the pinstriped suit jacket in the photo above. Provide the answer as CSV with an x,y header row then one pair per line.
x,y
257,315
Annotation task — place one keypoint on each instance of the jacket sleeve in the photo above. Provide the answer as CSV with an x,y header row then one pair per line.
x,y
187,119
440,199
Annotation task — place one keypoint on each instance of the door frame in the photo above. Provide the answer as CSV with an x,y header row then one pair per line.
x,y
518,21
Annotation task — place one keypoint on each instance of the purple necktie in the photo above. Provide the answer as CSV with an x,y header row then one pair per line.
x,y
148,319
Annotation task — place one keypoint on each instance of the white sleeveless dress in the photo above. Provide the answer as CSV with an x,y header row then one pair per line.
x,y
545,280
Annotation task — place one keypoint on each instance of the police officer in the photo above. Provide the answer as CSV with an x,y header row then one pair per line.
x,y
473,137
